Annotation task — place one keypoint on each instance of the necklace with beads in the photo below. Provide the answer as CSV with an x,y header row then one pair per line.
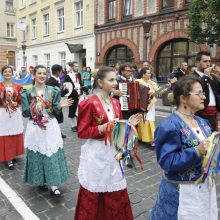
x,y
192,121
107,104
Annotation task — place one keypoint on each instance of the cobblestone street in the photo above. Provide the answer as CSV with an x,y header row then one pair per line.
x,y
142,185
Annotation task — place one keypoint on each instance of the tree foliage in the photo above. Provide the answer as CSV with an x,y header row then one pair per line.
x,y
204,17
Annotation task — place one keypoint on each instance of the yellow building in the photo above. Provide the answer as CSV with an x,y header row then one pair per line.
x,y
7,33
47,27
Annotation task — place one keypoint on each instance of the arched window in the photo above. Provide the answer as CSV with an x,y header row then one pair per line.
x,y
172,54
119,54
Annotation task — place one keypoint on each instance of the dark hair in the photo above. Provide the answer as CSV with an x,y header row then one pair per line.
x,y
101,74
183,87
37,67
6,67
56,68
202,53
123,66
143,71
72,63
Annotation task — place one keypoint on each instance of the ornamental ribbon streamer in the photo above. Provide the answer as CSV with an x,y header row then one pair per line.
x,y
124,137
211,162
38,112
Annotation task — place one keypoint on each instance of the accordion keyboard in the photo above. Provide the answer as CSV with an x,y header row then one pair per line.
x,y
123,87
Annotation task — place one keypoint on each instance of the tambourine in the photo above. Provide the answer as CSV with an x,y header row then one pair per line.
x,y
69,87
211,161
124,137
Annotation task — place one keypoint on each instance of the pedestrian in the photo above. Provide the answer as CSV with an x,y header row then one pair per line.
x,y
54,80
181,142
45,157
103,193
74,77
146,127
181,71
86,78
11,124
210,76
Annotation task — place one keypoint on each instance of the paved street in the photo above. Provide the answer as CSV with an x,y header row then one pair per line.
x,y
142,185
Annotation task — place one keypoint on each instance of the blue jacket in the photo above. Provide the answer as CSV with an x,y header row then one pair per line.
x,y
175,148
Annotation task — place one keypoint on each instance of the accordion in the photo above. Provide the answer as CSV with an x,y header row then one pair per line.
x,y
135,96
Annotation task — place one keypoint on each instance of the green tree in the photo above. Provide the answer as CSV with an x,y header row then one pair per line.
x,y
204,17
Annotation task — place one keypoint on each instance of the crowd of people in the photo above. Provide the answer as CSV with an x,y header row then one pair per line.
x,y
180,141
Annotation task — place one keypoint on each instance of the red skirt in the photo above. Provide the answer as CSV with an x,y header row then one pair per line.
x,y
11,146
103,206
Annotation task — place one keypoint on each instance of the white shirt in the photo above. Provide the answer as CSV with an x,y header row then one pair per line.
x,y
212,101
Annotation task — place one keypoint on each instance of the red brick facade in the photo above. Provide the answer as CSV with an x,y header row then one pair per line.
x,y
166,26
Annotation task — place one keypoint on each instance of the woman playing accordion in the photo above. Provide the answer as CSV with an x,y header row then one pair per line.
x,y
181,141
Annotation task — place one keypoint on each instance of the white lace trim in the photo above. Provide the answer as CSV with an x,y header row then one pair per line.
x,y
47,141
100,188
10,125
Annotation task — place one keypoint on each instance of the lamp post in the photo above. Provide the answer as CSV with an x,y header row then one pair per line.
x,y
23,47
147,26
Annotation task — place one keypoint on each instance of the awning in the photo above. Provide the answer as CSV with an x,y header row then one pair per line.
x,y
75,48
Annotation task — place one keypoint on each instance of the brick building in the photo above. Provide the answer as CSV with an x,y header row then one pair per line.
x,y
7,33
120,36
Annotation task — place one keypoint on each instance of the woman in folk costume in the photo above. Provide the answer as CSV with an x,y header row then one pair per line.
x,y
103,193
45,158
11,124
181,141
147,126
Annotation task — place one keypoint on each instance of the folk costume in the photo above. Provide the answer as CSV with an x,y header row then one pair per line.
x,y
75,79
45,158
11,123
103,193
53,81
179,197
146,127
211,87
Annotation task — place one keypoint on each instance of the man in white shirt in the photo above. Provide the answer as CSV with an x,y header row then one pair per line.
x,y
210,76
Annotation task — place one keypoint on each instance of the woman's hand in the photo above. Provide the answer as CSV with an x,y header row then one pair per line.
x,y
102,128
135,119
64,102
203,146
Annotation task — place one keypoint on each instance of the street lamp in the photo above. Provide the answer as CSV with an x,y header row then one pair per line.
x,y
23,47
147,26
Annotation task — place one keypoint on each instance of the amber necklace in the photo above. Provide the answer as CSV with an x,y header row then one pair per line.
x,y
192,121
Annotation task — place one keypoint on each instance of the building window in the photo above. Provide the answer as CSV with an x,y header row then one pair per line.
x,y
10,30
172,54
34,28
47,59
9,6
127,7
46,24
35,60
111,9
63,59
22,3
60,19
167,4
119,54
79,14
